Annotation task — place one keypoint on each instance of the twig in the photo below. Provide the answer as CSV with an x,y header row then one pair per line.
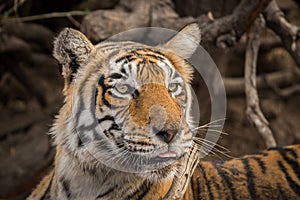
x,y
289,33
44,16
73,21
15,7
226,31
253,110
267,81
287,92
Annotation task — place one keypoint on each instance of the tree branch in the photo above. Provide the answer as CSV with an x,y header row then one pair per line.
x,y
44,16
226,31
288,32
267,81
287,92
253,111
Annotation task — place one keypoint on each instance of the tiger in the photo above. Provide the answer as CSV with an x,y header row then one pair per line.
x,y
125,130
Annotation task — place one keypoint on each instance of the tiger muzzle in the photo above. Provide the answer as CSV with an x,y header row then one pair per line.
x,y
156,108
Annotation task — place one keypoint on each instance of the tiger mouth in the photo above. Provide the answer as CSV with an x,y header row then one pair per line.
x,y
164,158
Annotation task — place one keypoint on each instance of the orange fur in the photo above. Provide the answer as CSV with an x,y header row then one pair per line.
x,y
89,101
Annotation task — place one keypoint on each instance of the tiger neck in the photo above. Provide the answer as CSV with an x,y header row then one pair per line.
x,y
75,179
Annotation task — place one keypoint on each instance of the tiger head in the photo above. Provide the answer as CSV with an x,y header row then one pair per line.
x,y
127,105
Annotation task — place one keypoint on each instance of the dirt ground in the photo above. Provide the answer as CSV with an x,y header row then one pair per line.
x,y
26,114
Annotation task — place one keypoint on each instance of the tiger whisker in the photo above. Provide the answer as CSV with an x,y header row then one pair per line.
x,y
200,142
211,122
207,126
208,142
212,151
212,131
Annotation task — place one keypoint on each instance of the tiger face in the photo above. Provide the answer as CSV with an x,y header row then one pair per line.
x,y
127,105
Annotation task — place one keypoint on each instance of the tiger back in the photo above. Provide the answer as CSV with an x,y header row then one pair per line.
x,y
125,130
271,174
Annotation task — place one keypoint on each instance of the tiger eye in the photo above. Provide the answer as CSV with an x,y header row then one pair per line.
x,y
122,88
172,87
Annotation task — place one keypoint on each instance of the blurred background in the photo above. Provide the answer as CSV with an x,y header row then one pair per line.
x,y
31,85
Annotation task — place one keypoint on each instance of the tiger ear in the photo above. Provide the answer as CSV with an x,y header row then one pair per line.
x,y
181,47
185,42
72,49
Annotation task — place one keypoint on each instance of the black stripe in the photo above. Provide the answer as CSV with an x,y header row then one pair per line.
x,y
108,134
79,142
201,189
291,151
273,148
154,51
123,71
295,187
83,138
140,192
113,53
106,193
73,65
260,163
114,126
108,45
217,186
127,58
116,76
112,44
66,186
207,182
158,57
141,69
144,193
104,88
106,117
225,179
117,113
250,178
174,73
282,195
193,186
291,162
262,153
87,169
96,94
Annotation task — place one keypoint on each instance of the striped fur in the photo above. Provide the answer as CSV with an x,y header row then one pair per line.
x,y
125,130
271,174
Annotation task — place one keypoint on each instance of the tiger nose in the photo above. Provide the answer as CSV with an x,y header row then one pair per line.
x,y
166,136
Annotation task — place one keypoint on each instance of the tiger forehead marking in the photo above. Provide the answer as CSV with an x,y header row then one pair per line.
x,y
144,64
